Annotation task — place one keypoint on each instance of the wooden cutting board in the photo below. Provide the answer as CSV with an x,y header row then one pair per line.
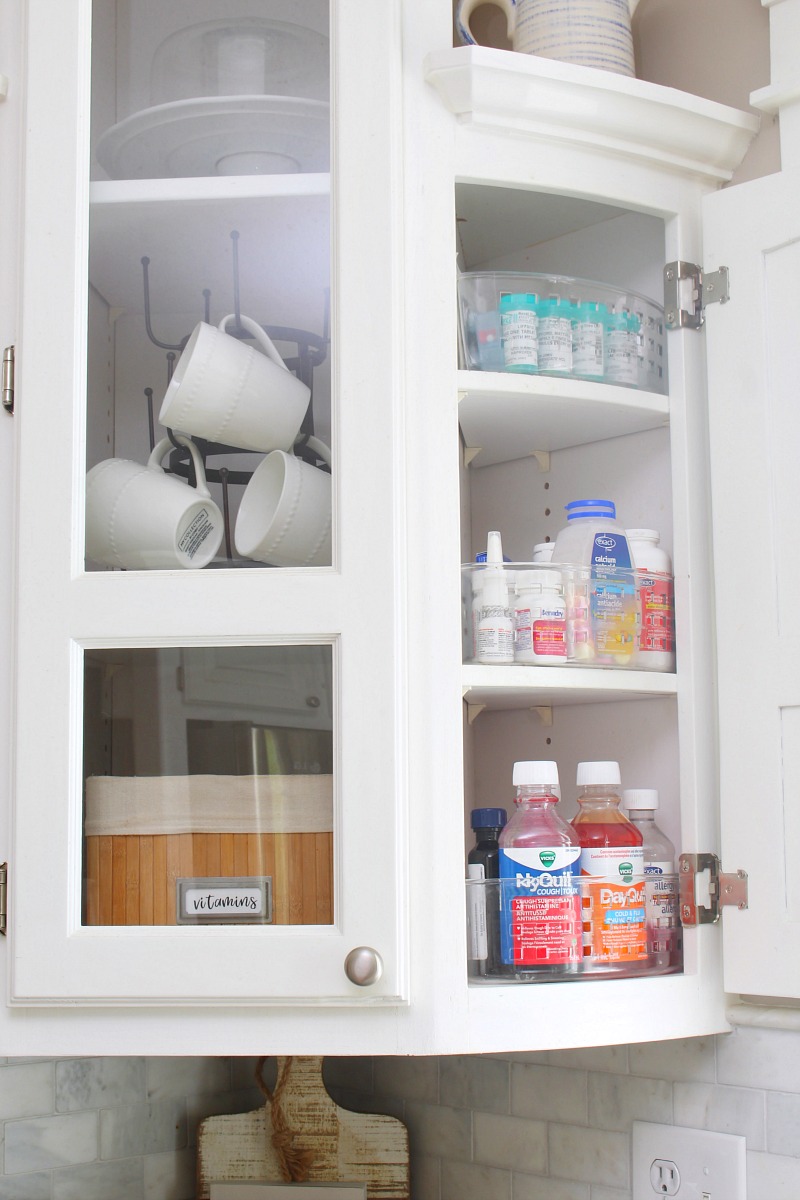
x,y
299,1135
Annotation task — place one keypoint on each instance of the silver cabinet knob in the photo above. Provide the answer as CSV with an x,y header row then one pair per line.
x,y
363,966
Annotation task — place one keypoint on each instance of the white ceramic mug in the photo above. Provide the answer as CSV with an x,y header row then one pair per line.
x,y
285,515
138,517
228,392
591,33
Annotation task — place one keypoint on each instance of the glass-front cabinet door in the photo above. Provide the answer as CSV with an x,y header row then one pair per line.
x,y
209,662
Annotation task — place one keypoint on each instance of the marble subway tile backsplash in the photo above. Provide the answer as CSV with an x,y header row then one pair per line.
x,y
112,1128
557,1125
529,1126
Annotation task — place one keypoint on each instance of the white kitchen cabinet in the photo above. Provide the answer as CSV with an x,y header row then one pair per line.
x,y
216,626
553,169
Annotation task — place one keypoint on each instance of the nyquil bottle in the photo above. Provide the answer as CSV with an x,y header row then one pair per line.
x,y
540,919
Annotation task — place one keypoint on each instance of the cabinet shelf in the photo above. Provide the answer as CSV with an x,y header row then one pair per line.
x,y
506,417
512,687
628,118
183,226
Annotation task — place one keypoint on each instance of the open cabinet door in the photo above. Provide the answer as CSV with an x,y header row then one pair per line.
x,y
754,369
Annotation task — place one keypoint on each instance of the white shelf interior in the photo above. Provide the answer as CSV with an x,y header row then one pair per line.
x,y
505,417
514,687
184,225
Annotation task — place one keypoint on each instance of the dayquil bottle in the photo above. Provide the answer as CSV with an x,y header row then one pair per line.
x,y
540,920
612,875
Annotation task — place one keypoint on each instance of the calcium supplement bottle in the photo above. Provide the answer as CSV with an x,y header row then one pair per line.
x,y
599,586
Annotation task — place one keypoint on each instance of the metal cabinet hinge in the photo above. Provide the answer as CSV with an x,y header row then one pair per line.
x,y
703,289
724,890
8,380
3,895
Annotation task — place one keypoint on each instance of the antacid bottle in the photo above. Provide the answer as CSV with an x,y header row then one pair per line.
x,y
540,922
612,875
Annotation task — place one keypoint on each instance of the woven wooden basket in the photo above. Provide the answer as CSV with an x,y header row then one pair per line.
x,y
143,834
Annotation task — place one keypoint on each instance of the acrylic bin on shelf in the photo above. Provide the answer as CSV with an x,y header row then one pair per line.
x,y
503,946
526,323
552,615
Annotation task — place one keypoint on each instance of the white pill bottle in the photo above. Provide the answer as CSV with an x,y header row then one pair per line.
x,y
656,600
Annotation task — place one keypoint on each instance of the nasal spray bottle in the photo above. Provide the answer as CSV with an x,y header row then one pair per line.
x,y
495,641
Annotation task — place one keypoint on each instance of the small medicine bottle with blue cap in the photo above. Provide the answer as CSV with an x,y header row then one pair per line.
x,y
484,901
487,824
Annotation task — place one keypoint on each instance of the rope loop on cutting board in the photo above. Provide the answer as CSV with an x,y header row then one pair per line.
x,y
295,1163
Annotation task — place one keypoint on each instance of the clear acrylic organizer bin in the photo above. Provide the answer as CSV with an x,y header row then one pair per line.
x,y
563,615
526,323
492,932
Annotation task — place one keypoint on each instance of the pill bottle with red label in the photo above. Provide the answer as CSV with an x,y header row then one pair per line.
x,y
540,620
656,599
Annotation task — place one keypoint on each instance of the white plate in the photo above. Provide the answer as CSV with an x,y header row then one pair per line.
x,y
219,135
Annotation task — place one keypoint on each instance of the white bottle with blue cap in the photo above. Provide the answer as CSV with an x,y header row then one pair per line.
x,y
602,623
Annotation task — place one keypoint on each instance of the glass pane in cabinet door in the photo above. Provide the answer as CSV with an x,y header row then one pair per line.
x,y
208,786
208,424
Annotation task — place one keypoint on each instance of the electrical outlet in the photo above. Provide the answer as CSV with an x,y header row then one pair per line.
x,y
687,1164
665,1178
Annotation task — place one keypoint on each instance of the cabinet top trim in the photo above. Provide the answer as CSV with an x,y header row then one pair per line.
x,y
629,118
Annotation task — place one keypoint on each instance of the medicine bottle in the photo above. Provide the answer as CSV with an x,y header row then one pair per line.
x,y
612,875
486,824
622,348
555,336
495,635
660,880
539,618
588,340
602,611
483,863
519,326
656,600
539,862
